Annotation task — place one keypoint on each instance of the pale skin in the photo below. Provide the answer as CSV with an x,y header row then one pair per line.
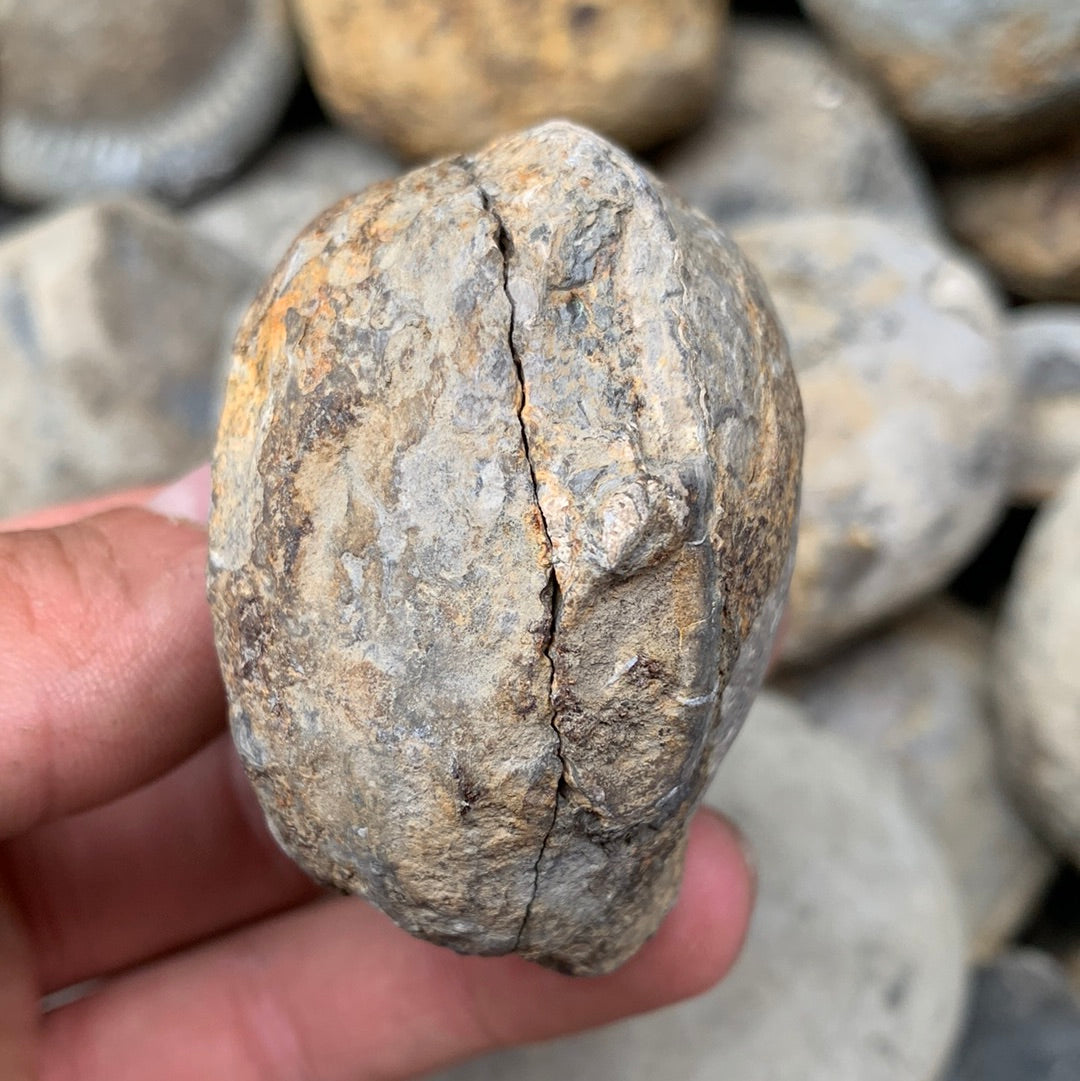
x,y
132,851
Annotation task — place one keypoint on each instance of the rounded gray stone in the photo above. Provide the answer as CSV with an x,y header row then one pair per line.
x,y
854,965
162,96
504,502
916,696
261,213
115,323
1036,678
1042,344
908,402
972,78
791,130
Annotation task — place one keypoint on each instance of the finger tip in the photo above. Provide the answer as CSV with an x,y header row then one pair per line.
x,y
187,498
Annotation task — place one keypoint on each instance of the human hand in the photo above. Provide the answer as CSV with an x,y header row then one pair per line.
x,y
132,850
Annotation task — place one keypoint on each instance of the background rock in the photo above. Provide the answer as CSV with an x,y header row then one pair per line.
x,y
1024,1024
908,407
853,970
115,323
1042,345
1036,677
165,96
973,79
916,695
1023,220
791,130
431,78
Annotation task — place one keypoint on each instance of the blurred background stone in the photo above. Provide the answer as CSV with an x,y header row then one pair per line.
x,y
972,79
431,78
792,130
853,969
1024,1023
115,324
908,402
1042,345
1036,675
164,96
916,695
1023,220
260,215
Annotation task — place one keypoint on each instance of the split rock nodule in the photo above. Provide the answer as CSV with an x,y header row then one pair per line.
x,y
504,500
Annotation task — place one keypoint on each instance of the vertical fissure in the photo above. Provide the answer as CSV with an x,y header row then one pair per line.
x,y
552,589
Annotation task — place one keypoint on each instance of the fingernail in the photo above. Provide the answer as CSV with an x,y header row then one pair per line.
x,y
187,499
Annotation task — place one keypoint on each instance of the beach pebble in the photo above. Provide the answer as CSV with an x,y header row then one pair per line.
x,y
854,966
164,96
115,324
974,79
504,503
1042,345
916,695
1024,1023
261,213
1023,221
430,78
1036,675
908,408
792,130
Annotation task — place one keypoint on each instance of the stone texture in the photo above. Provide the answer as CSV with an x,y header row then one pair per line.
x,y
853,968
1042,344
164,96
1024,1024
1023,221
916,696
972,78
431,78
792,131
503,502
261,214
908,405
1036,677
115,323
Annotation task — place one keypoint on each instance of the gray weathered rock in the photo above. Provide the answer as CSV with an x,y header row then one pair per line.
x,y
916,696
1023,220
1024,1023
792,131
1036,677
261,214
1042,344
165,96
115,323
853,969
503,502
972,78
908,409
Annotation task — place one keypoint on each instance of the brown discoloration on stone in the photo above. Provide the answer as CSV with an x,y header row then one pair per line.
x,y
432,78
508,473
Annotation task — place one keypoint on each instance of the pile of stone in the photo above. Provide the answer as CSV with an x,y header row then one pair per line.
x,y
906,180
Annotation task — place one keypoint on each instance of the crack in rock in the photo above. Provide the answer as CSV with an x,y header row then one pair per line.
x,y
505,245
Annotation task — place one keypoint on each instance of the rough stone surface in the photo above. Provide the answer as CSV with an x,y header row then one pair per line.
x,y
917,697
1023,220
115,323
972,78
908,406
1036,677
792,131
1024,1023
503,500
853,969
1042,344
262,213
154,95
431,78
